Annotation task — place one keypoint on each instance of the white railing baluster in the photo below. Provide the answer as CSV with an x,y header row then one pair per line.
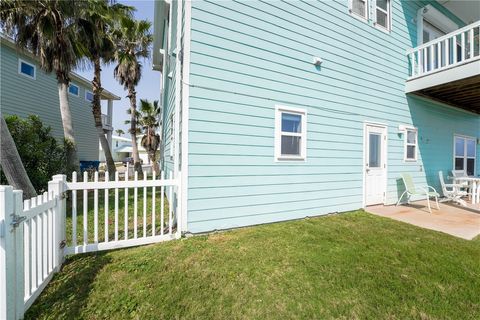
x,y
135,207
471,43
95,210
439,55
106,207
153,205
162,204
126,209
85,211
74,212
447,52
462,56
145,178
116,207
170,205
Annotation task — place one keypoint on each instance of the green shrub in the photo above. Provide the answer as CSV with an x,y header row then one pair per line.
x,y
42,155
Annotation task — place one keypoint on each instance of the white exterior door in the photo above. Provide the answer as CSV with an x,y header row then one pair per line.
x,y
375,164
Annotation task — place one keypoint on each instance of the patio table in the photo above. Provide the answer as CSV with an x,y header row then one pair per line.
x,y
474,183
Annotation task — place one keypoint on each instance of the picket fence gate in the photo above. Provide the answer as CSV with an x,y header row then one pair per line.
x,y
37,234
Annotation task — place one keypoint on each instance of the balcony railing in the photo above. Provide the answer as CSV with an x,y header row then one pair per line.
x,y
453,49
106,122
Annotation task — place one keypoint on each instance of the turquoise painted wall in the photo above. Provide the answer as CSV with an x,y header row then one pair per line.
x,y
248,56
23,96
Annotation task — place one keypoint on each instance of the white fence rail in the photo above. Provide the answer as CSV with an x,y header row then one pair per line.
x,y
147,215
76,217
450,50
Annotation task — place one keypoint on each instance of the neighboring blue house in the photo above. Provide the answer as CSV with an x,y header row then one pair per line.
x,y
277,110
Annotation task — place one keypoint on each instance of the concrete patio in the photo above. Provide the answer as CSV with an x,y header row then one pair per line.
x,y
454,220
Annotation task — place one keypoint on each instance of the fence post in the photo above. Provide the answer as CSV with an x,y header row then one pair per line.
x,y
7,254
57,187
19,255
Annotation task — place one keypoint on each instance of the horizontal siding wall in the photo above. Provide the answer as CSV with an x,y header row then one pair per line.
x,y
24,96
247,57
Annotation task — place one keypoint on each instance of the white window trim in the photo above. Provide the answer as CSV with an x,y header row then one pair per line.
x,y
86,93
465,156
406,144
389,17
73,94
352,13
278,134
20,61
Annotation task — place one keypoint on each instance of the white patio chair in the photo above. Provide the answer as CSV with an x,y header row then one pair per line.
x,y
410,190
464,185
453,192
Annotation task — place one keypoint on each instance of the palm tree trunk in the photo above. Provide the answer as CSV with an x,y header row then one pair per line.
x,y
12,164
132,95
73,163
97,115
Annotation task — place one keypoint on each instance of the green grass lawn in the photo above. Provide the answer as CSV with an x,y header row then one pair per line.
x,y
350,266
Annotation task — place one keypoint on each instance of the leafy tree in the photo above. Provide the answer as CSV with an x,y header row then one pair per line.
x,y
133,40
49,29
40,153
149,113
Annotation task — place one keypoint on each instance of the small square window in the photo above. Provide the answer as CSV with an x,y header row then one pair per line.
x,y
359,8
411,144
89,96
290,133
26,69
73,89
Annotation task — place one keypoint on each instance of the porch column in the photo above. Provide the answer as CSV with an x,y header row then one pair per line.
x,y
110,111
109,117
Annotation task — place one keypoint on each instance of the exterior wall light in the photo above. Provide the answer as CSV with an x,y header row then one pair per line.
x,y
317,61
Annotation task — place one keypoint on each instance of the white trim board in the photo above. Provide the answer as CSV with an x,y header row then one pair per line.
x,y
185,115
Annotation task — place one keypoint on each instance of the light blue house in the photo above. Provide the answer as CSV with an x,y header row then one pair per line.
x,y
277,110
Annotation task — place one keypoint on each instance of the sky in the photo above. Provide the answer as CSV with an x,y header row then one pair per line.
x,y
149,86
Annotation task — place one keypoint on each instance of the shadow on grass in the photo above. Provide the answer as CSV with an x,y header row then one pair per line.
x,y
69,290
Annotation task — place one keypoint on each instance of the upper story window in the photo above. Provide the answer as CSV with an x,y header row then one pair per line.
x,y
26,69
465,154
290,133
73,89
89,96
359,8
411,144
382,14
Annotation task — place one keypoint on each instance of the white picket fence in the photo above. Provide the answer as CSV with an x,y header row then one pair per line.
x,y
33,233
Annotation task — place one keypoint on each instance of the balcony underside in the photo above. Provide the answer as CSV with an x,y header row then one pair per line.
x,y
458,86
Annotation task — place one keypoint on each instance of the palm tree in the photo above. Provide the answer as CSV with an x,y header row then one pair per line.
x,y
133,40
119,132
96,25
149,114
48,29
